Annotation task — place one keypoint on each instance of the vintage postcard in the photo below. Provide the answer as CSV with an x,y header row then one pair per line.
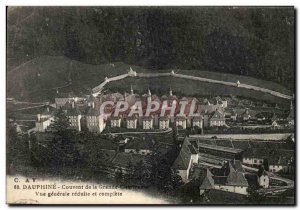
x,y
150,105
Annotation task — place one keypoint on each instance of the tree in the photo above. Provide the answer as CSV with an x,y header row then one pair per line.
x,y
60,149
163,177
17,150
254,195
61,122
175,134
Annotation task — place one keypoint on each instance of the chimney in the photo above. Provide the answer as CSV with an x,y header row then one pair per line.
x,y
73,104
39,117
93,104
171,93
48,109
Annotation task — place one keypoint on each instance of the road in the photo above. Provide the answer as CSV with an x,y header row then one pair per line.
x,y
34,104
145,132
290,184
246,137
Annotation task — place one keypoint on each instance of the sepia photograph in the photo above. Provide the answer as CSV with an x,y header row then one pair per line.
x,y
150,105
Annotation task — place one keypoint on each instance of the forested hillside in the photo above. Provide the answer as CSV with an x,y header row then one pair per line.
x,y
256,42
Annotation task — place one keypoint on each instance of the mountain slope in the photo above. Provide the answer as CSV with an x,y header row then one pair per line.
x,y
38,80
250,41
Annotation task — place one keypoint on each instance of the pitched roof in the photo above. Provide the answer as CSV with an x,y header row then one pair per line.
x,y
93,112
282,161
217,115
65,95
235,177
164,118
237,165
73,111
203,101
220,148
208,181
291,115
192,149
246,113
47,111
183,160
220,180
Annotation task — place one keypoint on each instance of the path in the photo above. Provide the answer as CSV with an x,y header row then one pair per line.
x,y
97,90
145,132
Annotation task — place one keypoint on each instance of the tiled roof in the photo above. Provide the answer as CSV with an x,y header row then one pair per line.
x,y
184,158
237,179
220,180
221,148
237,165
208,181
192,149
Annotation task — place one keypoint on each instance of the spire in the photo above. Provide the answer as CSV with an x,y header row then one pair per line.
x,y
73,104
131,90
125,96
149,96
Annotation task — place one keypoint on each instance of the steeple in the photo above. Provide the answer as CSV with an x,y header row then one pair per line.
x,y
149,96
131,90
171,93
125,96
149,92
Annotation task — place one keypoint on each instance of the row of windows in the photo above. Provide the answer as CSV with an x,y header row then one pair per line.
x,y
92,124
92,117
93,120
